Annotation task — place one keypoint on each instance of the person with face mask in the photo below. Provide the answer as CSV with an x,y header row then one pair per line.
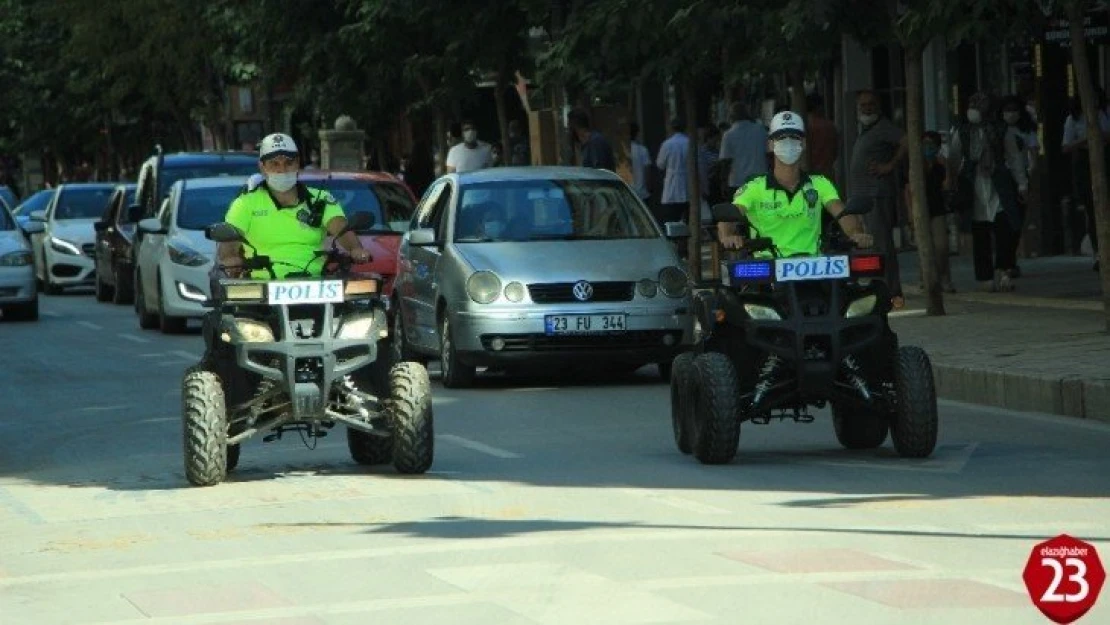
x,y
471,154
284,219
786,204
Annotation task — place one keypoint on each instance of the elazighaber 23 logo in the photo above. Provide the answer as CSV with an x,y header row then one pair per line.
x,y
1064,577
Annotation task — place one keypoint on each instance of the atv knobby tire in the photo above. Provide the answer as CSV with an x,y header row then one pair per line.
x,y
716,415
204,419
682,400
914,426
410,415
860,428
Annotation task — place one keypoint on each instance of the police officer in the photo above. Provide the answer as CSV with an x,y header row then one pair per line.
x,y
786,204
284,219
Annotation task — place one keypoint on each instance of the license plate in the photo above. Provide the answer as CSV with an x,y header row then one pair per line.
x,y
307,292
812,268
584,324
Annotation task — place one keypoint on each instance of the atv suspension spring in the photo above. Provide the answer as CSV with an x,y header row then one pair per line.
x,y
856,378
766,378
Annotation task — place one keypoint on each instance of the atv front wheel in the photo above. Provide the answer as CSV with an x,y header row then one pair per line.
x,y
716,416
682,400
410,410
914,426
859,429
205,428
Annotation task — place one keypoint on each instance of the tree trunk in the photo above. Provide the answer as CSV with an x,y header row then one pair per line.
x,y
1076,12
915,127
503,83
693,181
798,102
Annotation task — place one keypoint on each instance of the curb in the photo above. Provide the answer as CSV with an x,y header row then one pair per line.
x,y
1060,395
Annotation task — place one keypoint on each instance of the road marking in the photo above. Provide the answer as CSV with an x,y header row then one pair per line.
x,y
51,314
674,501
479,447
133,338
90,325
948,461
190,356
104,408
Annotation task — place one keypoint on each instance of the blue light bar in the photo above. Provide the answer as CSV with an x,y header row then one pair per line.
x,y
752,270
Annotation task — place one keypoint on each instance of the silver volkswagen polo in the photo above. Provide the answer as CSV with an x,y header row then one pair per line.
x,y
549,266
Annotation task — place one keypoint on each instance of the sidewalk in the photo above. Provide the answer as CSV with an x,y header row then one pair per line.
x,y
1041,348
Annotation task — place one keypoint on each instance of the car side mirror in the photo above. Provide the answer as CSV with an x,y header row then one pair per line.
x,y
728,213
151,226
100,226
134,213
33,227
676,230
223,232
857,206
38,215
422,237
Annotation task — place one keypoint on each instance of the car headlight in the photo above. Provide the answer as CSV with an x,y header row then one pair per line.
x,y
16,259
251,331
862,306
673,282
647,288
483,287
762,313
514,292
183,255
64,247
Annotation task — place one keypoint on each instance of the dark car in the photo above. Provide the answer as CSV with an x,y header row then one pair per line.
x,y
114,235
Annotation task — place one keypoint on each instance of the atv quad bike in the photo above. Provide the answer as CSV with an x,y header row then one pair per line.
x,y
302,354
781,335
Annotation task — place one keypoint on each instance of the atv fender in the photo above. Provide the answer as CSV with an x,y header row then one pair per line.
x,y
705,311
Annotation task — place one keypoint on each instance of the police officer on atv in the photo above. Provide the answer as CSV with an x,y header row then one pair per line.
x,y
285,219
785,206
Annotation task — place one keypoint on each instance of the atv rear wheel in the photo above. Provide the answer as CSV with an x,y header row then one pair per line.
x,y
682,400
859,429
207,455
410,411
915,423
716,415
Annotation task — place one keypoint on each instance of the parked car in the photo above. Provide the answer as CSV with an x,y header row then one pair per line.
x,y
385,197
19,299
539,265
39,201
64,251
115,234
171,277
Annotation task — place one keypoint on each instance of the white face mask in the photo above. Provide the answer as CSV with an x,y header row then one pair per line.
x,y
470,136
493,229
867,120
788,150
974,116
1011,117
282,182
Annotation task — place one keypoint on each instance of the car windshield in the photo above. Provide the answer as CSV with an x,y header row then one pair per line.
x,y
205,206
388,202
551,210
171,175
37,202
82,203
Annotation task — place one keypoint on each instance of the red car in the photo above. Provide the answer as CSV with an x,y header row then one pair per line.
x,y
382,195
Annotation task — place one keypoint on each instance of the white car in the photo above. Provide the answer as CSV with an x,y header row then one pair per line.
x,y
65,251
18,296
174,257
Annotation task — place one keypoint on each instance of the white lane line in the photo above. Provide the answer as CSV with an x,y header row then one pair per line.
x,y
104,408
133,338
190,356
51,313
479,447
90,325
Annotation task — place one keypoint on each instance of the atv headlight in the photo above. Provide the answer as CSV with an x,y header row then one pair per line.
x,y
245,292
251,331
16,259
356,327
762,313
483,287
862,306
673,282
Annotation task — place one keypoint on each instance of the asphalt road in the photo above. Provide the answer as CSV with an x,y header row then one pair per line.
x,y
550,501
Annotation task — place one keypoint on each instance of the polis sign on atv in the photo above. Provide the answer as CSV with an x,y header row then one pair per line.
x,y
810,268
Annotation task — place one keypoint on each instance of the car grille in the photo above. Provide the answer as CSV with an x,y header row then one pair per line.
x,y
542,342
559,292
89,249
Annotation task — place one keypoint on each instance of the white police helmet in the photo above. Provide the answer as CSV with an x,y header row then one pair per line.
x,y
787,123
277,144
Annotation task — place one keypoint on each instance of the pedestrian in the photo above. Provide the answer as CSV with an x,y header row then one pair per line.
x,y
672,159
594,150
471,154
876,153
743,148
1074,144
1021,148
937,207
987,192
641,161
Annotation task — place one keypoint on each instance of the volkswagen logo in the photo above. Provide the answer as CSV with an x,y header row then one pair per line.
x,y
583,291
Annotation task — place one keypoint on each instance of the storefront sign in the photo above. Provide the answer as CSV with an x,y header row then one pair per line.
x,y
1096,25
